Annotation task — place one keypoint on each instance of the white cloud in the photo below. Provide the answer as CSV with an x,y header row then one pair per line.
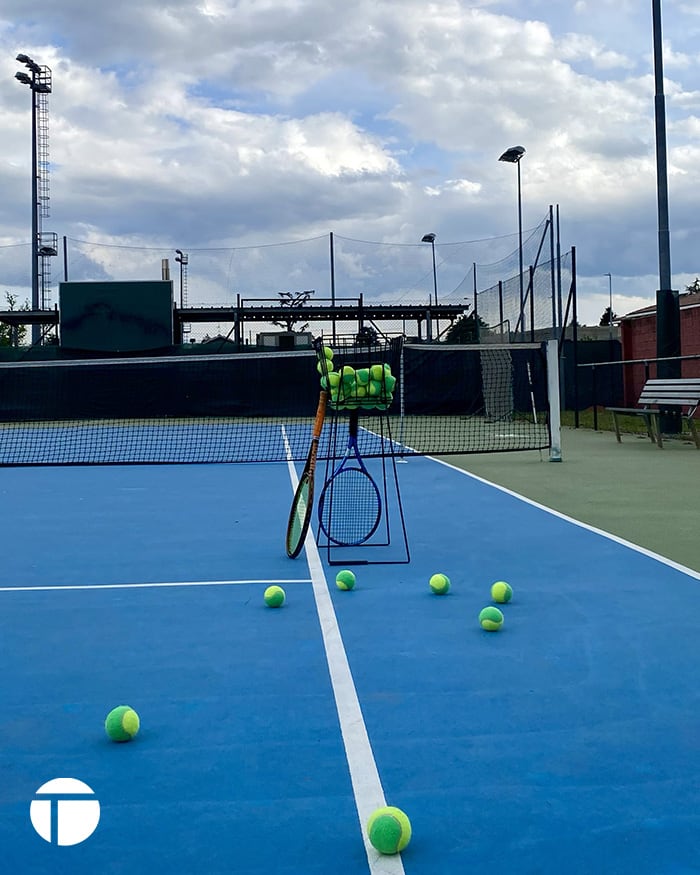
x,y
262,120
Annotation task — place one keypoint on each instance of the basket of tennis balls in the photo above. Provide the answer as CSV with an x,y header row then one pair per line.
x,y
352,388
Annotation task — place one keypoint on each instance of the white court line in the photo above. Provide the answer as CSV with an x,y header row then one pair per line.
x,y
562,516
366,784
147,585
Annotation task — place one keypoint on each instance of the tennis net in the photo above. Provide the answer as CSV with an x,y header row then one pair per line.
x,y
258,407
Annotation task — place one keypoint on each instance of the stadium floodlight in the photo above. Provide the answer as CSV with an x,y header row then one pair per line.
x,y
430,238
38,83
513,156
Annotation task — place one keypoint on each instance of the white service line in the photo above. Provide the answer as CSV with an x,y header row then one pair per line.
x,y
366,784
59,587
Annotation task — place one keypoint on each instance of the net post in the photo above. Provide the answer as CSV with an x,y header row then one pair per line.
x,y
552,352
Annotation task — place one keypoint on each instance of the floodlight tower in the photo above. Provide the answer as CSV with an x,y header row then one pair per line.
x,y
39,81
513,156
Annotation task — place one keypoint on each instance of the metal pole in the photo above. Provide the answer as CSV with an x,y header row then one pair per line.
x,y
332,257
668,332
520,253
36,329
610,309
437,318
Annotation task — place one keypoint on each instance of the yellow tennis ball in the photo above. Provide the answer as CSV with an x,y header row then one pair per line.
x,y
322,365
376,372
274,596
122,723
501,592
333,379
362,375
345,580
440,584
491,619
389,830
328,353
375,388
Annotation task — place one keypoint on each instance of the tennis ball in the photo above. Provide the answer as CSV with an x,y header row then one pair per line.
x,y
345,580
389,830
362,375
375,388
333,379
491,619
440,584
274,596
376,372
122,723
501,592
390,383
328,352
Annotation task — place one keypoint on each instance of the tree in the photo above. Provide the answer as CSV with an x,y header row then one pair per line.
x,y
608,317
694,287
292,299
11,335
464,329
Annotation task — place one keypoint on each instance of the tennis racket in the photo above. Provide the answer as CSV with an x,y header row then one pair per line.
x,y
350,506
300,513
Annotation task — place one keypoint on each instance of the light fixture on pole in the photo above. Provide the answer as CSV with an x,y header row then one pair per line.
x,y
430,238
182,259
610,309
513,156
39,83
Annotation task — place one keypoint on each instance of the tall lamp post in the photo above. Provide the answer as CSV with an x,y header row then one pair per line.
x,y
513,156
39,83
182,259
430,238
668,318
610,309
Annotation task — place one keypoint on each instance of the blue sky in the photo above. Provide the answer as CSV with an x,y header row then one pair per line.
x,y
234,123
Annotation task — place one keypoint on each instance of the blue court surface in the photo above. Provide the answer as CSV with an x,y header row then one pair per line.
x,y
565,743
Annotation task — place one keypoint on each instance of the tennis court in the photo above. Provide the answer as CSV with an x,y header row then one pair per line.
x,y
567,742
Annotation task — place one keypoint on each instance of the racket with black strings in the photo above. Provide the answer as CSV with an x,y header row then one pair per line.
x,y
350,505
300,513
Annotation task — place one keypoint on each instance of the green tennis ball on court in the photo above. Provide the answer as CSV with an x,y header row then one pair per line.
x,y
501,592
491,619
328,352
345,580
122,723
362,375
274,596
440,584
389,830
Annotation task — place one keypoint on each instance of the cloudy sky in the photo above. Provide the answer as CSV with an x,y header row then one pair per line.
x,y
226,126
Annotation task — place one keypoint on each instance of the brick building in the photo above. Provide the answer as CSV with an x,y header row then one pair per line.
x,y
638,337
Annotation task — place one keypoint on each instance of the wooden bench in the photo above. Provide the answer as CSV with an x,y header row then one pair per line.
x,y
682,394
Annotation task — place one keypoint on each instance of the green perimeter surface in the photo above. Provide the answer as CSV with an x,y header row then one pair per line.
x,y
633,489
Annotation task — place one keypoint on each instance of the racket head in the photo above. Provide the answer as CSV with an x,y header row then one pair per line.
x,y
302,503
300,515
349,507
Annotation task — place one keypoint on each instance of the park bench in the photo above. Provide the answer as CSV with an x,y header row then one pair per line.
x,y
658,395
